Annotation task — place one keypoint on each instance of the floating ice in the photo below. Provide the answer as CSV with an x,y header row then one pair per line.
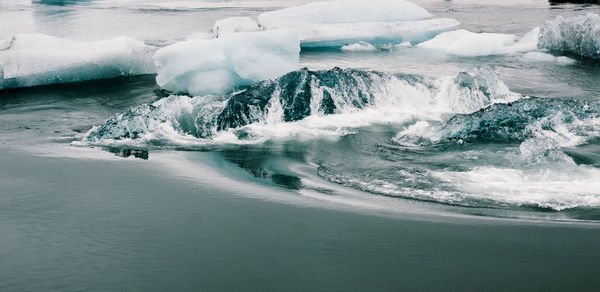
x,y
465,43
578,35
235,24
543,57
345,22
342,34
37,59
360,46
199,67
344,11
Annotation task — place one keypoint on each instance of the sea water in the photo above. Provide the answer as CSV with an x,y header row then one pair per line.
x,y
400,166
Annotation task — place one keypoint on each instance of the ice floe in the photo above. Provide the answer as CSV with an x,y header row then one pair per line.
x,y
38,59
212,66
344,22
466,43
543,57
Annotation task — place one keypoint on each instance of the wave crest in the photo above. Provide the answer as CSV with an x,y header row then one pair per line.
x,y
333,96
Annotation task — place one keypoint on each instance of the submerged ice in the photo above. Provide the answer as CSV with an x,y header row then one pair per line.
x,y
37,59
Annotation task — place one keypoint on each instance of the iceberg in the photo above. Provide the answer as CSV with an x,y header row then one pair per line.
x,y
543,57
214,66
376,33
466,43
344,22
579,35
235,24
38,59
344,11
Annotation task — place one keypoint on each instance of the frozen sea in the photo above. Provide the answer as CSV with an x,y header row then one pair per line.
x,y
472,166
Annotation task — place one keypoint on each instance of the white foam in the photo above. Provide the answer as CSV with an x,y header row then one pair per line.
x,y
543,57
37,59
395,100
559,186
213,66
359,47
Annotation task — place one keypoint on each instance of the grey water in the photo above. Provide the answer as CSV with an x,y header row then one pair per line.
x,y
500,198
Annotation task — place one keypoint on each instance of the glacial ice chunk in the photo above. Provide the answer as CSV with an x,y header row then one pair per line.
x,y
376,33
235,24
200,67
344,11
543,57
579,35
37,59
344,22
465,43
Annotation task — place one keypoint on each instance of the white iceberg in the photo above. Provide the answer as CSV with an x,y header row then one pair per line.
x,y
344,11
235,24
579,35
376,33
201,67
465,43
37,59
344,22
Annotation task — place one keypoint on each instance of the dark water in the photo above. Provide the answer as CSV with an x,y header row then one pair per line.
x,y
421,170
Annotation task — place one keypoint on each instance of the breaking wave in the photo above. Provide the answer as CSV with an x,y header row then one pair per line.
x,y
463,140
329,103
568,121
